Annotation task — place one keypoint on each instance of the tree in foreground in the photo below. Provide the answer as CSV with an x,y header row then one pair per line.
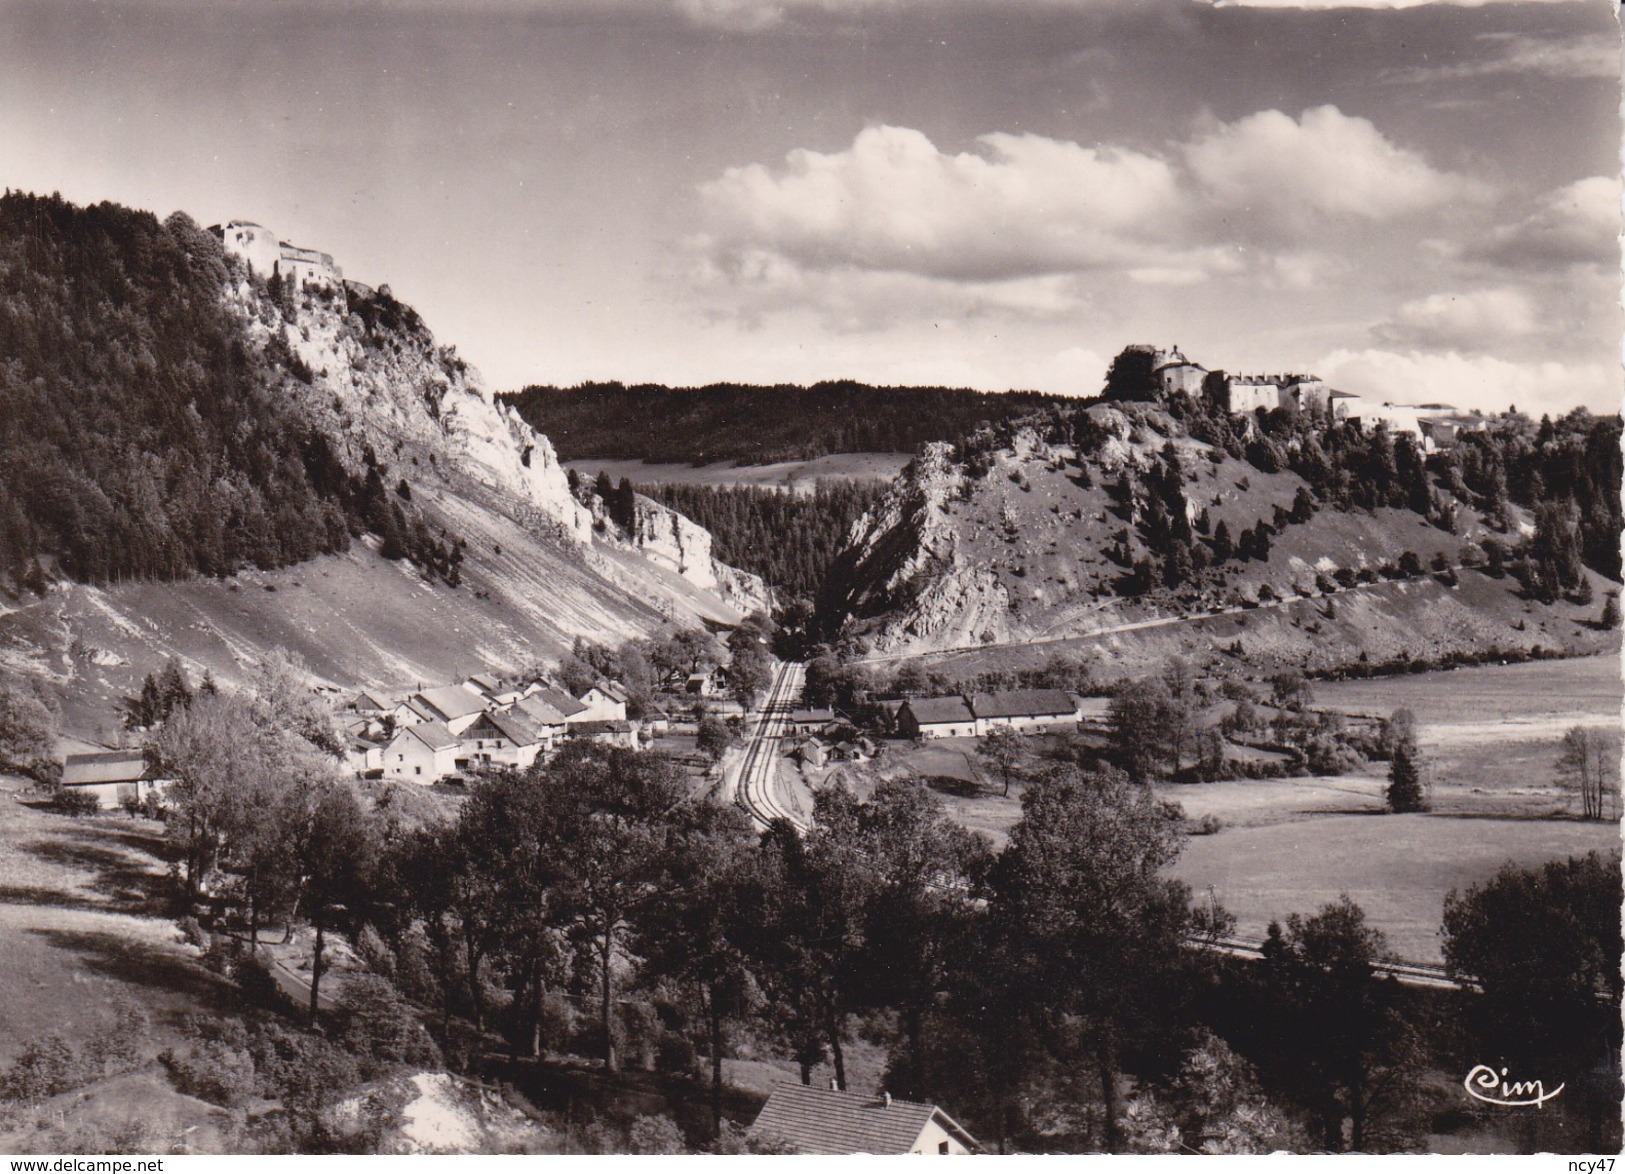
x,y
1096,931
1341,1036
1543,945
1001,748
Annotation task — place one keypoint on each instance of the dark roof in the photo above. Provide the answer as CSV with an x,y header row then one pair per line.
x,y
823,1121
539,710
113,766
1023,703
813,715
512,726
930,711
485,682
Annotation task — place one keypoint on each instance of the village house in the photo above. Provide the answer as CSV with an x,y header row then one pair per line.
x,y
813,1120
544,716
606,733
1027,711
422,753
605,701
112,776
566,707
369,704
936,717
1177,375
454,705
362,755
808,721
501,738
410,712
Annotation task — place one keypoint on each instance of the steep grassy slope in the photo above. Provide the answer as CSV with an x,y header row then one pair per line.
x,y
1043,543
228,425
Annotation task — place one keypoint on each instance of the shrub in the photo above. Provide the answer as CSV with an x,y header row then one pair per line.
x,y
74,802
212,1070
45,1067
375,1022
655,1135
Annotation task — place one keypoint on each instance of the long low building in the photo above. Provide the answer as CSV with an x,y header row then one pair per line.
x,y
1027,711
112,776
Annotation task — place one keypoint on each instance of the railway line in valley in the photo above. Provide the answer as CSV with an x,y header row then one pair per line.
x,y
757,786
756,790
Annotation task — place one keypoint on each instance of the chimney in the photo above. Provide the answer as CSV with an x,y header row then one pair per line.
x,y
886,1098
833,1087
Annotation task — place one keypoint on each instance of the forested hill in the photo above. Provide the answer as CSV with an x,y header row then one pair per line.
x,y
139,436
755,424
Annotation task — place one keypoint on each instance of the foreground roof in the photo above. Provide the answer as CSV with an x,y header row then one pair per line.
x,y
824,1121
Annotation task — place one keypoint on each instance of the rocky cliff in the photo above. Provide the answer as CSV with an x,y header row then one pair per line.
x,y
1127,530
371,370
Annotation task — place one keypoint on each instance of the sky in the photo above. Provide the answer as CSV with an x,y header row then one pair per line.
x,y
1415,199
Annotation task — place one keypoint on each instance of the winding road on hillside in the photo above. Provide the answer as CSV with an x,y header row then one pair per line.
x,y
1134,626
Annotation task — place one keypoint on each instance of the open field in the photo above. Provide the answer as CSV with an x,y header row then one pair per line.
x,y
1489,735
1489,741
796,476
1397,867
84,919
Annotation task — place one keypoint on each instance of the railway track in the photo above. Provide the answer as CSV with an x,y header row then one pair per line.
x,y
757,790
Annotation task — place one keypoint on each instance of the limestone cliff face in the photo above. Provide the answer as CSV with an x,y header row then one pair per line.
x,y
906,560
369,370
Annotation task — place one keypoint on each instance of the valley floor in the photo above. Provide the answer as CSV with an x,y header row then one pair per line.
x,y
1489,742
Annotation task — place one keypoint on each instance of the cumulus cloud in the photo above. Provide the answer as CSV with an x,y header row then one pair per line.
x,y
1325,163
995,219
1578,224
1021,205
1474,320
1473,381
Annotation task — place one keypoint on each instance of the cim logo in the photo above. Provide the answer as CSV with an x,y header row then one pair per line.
x,y
1493,1088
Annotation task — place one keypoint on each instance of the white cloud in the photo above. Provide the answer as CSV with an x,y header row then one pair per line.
x,y
1474,320
1578,224
980,227
1021,205
1519,54
1325,164
1476,381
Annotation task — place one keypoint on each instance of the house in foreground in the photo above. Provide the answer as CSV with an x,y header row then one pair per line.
x,y
424,753
113,776
501,738
936,717
814,1120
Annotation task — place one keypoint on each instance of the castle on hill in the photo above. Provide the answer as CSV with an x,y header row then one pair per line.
x,y
1172,374
268,256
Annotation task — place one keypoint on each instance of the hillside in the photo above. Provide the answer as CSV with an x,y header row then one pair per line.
x,y
1122,527
231,426
752,425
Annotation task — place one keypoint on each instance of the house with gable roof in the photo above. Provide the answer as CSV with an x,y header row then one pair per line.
x,y
605,702
454,705
422,753
811,1120
501,738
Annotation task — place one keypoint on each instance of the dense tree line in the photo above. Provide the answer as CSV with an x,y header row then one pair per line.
x,y
142,436
789,539
753,424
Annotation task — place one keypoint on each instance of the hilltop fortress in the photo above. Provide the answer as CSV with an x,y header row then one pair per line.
x,y
1163,373
269,257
